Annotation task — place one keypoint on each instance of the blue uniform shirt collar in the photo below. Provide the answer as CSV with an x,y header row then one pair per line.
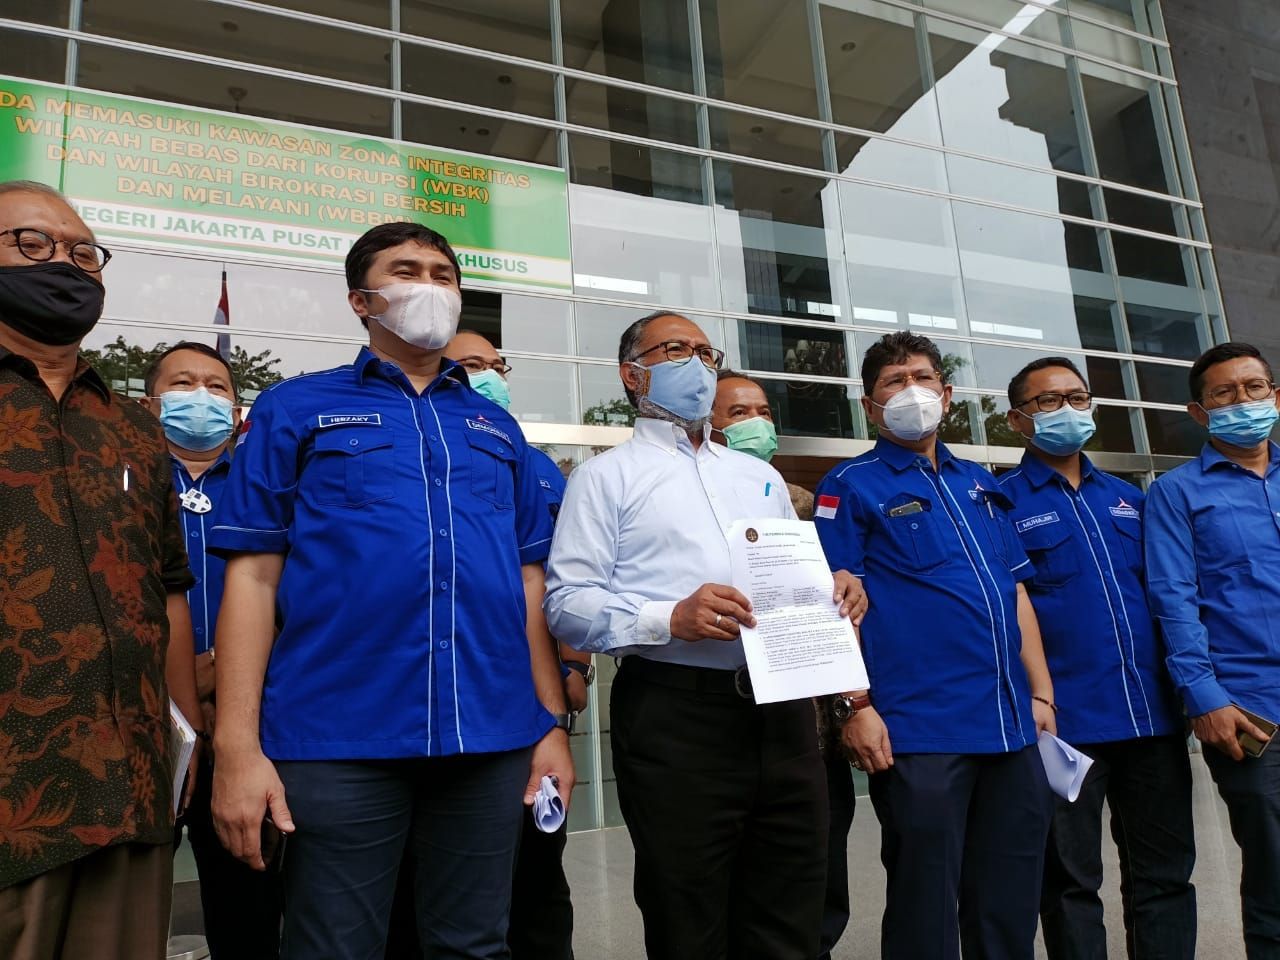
x,y
1038,473
367,359
222,463
900,458
670,437
1210,457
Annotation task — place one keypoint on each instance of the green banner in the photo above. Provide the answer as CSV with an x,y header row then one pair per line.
x,y
166,177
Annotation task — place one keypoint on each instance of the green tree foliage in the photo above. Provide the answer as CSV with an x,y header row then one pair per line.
x,y
123,366
614,413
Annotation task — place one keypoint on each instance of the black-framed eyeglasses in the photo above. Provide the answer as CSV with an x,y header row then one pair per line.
x,y
1259,388
477,365
1049,402
679,352
39,246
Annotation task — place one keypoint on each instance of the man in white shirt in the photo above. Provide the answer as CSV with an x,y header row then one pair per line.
x,y
725,800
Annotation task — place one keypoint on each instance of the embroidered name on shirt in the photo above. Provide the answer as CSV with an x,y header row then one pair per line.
x,y
1123,509
485,427
1030,523
349,420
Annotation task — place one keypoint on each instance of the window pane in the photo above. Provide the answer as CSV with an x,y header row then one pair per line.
x,y
1010,16
1117,12
873,68
626,111
373,13
52,12
604,404
902,260
813,409
241,34
764,138
1162,383
1003,98
521,28
34,57
1143,258
890,162
600,326
1174,433
641,230
646,41
516,323
758,53
165,78
475,80
987,180
1126,137
807,351
494,136
539,394
779,242
1108,44
1144,213
1173,334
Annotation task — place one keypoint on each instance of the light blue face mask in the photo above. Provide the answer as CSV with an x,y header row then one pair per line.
x,y
1243,424
1063,431
489,384
679,391
195,419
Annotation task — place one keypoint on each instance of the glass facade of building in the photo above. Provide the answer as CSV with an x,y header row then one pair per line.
x,y
1008,177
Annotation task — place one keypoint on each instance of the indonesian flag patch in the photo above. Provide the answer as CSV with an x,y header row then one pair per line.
x,y
826,507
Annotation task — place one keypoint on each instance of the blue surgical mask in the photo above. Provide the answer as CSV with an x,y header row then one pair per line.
x,y
195,419
489,384
679,391
1064,431
1243,424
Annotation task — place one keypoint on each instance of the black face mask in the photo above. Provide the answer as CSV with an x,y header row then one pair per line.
x,y
53,303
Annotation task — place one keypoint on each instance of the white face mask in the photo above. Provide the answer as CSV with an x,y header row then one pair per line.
x,y
913,413
423,314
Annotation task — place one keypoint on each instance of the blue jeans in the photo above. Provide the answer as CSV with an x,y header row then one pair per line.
x,y
1251,791
1147,784
461,815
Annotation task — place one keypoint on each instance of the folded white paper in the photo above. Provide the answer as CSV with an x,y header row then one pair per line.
x,y
1065,766
548,808
182,741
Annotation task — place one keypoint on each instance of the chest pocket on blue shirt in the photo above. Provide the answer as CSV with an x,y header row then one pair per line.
x,y
1130,538
914,541
493,469
1051,552
353,467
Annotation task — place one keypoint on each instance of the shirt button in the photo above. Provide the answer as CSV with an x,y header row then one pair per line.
x,y
915,526
434,438
199,631
444,532
444,644
437,481
195,534
444,585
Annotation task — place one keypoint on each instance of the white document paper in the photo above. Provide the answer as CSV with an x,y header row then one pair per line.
x,y
800,646
548,808
182,742
1065,766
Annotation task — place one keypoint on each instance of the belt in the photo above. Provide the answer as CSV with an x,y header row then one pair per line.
x,y
679,676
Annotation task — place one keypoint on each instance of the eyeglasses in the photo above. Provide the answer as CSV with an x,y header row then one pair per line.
x,y
1049,402
679,352
39,246
899,381
1256,389
477,365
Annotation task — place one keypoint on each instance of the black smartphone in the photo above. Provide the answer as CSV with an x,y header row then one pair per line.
x,y
273,843
1250,745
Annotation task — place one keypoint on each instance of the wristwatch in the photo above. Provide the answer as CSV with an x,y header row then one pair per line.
x,y
564,721
842,707
588,670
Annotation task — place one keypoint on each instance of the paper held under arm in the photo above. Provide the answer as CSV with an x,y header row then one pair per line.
x,y
1065,766
800,646
182,741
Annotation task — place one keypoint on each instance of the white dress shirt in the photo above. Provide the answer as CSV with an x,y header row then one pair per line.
x,y
643,526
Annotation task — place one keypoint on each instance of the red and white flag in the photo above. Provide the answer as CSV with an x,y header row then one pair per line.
x,y
222,318
826,507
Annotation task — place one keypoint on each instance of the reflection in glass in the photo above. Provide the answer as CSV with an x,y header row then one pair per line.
x,y
34,57
220,88
1173,433
539,394
807,351
1173,334
604,404
759,54
1126,136
640,229
764,138
1003,98
803,409
627,111
521,28
512,322
240,34
476,80
779,242
1144,258
645,41
1043,22
493,136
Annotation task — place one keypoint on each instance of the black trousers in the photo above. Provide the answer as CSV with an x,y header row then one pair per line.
x,y
241,906
1251,791
726,805
1147,784
841,800
962,838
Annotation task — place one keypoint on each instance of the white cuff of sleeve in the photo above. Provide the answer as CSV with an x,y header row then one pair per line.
x,y
653,626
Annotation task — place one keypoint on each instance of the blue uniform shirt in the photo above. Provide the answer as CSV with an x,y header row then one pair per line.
x,y
404,521
940,564
206,596
1213,573
1102,645
550,479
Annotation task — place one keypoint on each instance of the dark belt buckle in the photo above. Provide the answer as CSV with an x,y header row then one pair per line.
x,y
742,683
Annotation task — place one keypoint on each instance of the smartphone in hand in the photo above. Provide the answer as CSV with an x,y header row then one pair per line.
x,y
1251,746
